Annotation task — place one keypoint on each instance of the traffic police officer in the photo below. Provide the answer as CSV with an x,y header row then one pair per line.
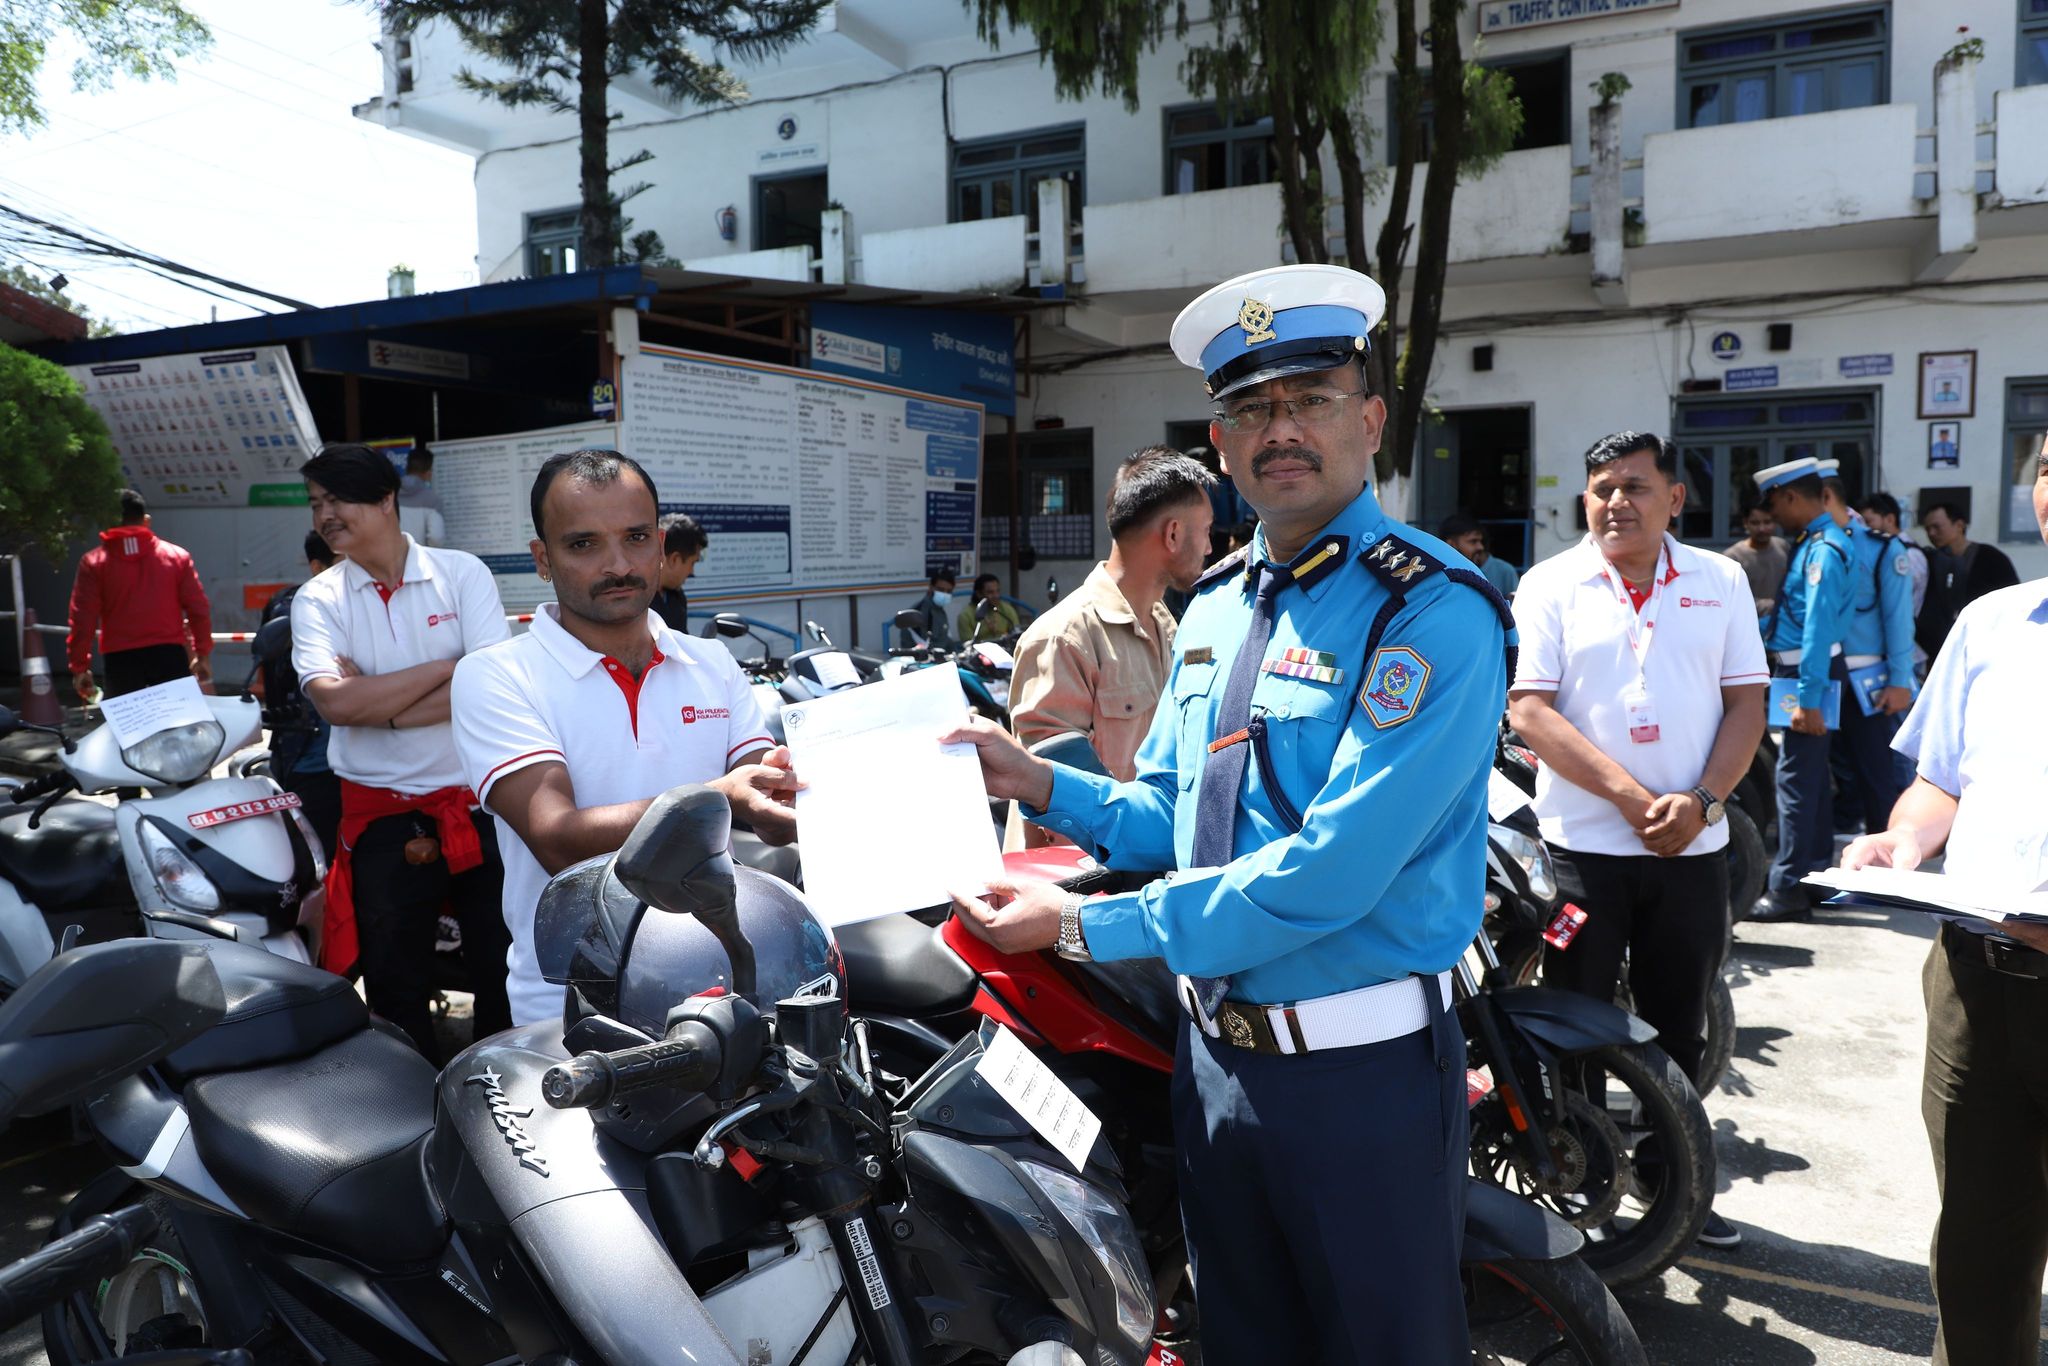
x,y
1803,640
1877,652
1317,772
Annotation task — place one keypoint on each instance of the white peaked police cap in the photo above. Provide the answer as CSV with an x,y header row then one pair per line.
x,y
1775,475
1285,320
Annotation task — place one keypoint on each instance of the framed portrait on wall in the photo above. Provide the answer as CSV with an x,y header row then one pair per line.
x,y
1948,384
1944,445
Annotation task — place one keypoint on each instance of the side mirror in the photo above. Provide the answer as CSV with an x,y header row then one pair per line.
x,y
678,860
910,619
1052,591
982,609
729,625
273,643
10,721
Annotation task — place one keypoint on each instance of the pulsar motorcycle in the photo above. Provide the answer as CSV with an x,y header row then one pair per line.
x,y
224,857
699,1164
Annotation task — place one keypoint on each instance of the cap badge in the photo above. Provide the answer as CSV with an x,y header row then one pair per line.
x,y
1257,321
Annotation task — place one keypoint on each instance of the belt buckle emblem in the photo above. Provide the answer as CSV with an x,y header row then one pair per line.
x,y
1236,1029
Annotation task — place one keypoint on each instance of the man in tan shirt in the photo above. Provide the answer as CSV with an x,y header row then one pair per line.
x,y
1096,661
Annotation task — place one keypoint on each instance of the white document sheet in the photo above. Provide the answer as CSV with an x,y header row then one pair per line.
x,y
888,818
1048,1104
1940,893
835,669
139,715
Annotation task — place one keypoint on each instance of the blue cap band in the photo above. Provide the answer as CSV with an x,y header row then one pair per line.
x,y
1294,324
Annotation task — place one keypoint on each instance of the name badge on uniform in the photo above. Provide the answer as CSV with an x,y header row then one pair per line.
x,y
1317,666
1199,655
1641,710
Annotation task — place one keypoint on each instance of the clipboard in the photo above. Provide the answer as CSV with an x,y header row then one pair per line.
x,y
1785,698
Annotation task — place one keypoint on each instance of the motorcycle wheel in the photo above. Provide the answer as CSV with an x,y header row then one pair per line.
x,y
152,1304
1720,1049
1644,1154
1748,863
1556,1313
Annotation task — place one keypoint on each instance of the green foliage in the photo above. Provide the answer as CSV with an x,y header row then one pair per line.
x,y
30,282
1091,44
1493,118
1611,86
135,38
1968,50
58,474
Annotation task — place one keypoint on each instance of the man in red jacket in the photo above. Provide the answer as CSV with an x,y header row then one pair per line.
x,y
142,596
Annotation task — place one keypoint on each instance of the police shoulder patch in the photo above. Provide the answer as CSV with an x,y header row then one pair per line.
x,y
1222,569
1397,564
1899,565
1813,569
1394,684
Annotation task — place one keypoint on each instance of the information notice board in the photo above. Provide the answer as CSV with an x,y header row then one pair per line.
x,y
805,483
206,429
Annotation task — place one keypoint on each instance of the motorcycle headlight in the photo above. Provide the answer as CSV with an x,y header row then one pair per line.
x,y
181,754
176,875
1533,858
1107,1230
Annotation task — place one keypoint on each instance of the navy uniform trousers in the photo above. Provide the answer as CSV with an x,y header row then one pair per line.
x,y
1329,1197
1806,807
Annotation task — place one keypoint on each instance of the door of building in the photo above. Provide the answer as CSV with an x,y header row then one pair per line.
x,y
1475,461
1724,439
789,211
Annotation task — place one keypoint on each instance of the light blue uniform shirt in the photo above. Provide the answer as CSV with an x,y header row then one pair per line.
x,y
1812,613
1386,877
1881,622
1993,756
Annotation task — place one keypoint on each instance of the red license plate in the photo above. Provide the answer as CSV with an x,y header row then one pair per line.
x,y
1565,928
241,811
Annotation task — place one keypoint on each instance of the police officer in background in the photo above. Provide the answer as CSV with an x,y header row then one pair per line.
x,y
1877,652
1316,771
1803,641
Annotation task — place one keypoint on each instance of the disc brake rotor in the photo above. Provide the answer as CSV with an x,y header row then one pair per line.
x,y
1593,1170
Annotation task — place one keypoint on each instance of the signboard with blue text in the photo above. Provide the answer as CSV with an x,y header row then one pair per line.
x,y
952,354
1503,16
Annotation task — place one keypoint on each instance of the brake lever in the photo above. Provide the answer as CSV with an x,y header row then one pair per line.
x,y
786,1095
35,819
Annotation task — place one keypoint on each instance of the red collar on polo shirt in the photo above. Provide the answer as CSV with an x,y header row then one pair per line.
x,y
630,685
1638,596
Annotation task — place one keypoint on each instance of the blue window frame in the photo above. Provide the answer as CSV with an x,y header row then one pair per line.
x,y
2033,42
1812,64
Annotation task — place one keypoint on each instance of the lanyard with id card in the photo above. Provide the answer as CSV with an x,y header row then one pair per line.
x,y
1639,707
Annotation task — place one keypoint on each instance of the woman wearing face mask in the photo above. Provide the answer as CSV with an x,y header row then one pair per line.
x,y
936,605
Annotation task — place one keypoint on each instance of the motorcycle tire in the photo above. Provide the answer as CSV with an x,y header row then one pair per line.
x,y
1720,1050
1666,1109
1552,1312
1748,864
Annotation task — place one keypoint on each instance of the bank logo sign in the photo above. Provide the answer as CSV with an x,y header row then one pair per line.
x,y
856,353
1501,16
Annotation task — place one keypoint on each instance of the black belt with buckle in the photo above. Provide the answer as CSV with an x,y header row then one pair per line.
x,y
1993,951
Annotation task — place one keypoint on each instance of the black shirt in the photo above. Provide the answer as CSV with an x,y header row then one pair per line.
x,y
673,606
1953,583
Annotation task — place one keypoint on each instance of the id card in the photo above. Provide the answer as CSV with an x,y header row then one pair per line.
x,y
1641,710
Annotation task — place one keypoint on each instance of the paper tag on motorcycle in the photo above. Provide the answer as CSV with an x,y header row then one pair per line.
x,y
1048,1104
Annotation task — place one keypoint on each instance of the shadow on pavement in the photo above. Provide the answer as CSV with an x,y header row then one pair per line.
x,y
1753,1161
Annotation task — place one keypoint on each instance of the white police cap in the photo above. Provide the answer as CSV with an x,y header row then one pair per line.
x,y
1285,320
1777,475
1826,468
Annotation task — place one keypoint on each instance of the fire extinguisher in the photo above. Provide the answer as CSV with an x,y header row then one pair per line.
x,y
728,223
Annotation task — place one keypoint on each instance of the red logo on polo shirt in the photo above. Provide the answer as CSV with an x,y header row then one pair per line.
x,y
692,715
436,618
1699,602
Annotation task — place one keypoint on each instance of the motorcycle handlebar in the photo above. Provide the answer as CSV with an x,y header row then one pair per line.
x,y
690,1057
77,1261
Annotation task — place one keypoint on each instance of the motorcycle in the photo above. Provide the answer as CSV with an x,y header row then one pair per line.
x,y
224,857
699,1163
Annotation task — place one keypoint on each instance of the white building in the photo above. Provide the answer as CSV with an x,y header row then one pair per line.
x,y
1794,219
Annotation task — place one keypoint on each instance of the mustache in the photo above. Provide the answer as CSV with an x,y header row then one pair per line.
x,y
1264,459
607,585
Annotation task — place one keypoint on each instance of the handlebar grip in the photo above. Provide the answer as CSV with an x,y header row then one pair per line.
x,y
77,1261
689,1058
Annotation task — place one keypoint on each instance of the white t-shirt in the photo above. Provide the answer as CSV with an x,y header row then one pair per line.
x,y
1576,643
446,606
548,698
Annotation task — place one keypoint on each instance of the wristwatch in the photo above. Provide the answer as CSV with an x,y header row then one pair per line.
x,y
1071,944
1710,805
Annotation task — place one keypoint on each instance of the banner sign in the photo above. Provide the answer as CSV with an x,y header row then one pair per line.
x,y
934,351
1503,16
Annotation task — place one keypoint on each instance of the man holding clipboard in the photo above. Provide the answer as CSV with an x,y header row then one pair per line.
x,y
1803,640
1976,798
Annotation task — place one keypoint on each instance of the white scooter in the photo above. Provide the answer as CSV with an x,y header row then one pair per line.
x,y
205,856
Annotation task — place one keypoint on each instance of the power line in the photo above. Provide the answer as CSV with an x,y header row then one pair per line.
x,y
146,259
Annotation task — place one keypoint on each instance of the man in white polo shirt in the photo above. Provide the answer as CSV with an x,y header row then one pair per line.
x,y
374,641
568,732
1641,688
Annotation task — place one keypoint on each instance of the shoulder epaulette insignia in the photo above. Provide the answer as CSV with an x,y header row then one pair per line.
x,y
1397,564
1223,568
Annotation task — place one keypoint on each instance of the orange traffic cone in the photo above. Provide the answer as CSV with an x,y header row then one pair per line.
x,y
39,704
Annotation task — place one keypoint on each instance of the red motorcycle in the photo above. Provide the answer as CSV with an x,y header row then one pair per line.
x,y
924,980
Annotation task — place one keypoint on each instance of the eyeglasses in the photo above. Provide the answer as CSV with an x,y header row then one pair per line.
x,y
1310,410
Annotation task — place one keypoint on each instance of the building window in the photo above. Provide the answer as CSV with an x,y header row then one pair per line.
x,y
2033,42
789,211
1216,149
2026,427
1542,83
1723,441
1056,475
554,242
1810,65
998,177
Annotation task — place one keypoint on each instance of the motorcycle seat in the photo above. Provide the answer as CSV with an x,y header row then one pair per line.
x,y
899,966
329,1148
72,860
277,1010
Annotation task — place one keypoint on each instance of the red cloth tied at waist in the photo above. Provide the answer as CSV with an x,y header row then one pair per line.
x,y
360,806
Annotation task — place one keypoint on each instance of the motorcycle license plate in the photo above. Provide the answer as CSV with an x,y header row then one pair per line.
x,y
1565,928
241,811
